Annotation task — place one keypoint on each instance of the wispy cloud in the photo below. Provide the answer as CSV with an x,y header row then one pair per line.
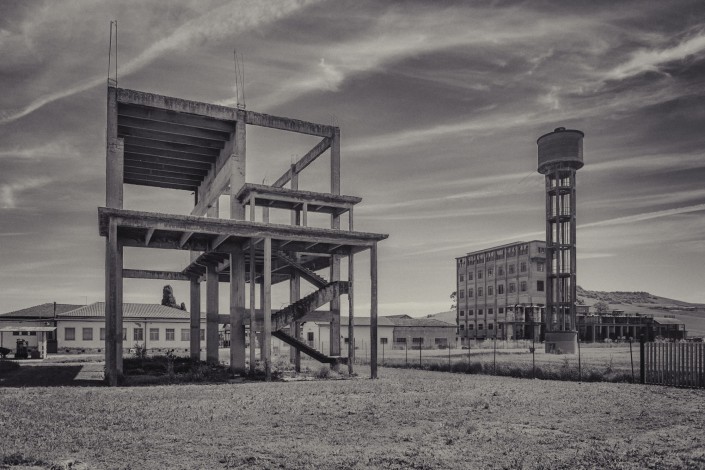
x,y
216,25
645,60
10,191
644,216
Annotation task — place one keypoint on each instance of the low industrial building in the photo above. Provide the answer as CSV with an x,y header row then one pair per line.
x,y
394,331
618,325
81,329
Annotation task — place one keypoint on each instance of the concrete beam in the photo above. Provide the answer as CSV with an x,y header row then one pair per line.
x,y
303,162
168,103
147,274
288,124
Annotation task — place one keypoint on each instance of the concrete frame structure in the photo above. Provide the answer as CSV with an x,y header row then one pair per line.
x,y
167,142
560,155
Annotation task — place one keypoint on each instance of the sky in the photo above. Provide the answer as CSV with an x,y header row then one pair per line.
x,y
439,104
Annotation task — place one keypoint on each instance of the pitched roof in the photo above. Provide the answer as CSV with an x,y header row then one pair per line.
x,y
41,311
668,321
129,311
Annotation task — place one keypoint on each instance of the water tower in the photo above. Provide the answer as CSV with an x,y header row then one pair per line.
x,y
560,156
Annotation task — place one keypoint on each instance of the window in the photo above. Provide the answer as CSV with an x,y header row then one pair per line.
x,y
479,311
310,336
138,334
462,313
512,287
154,334
479,274
462,294
417,340
70,334
479,291
540,267
522,267
461,278
471,293
185,334
490,311
203,334
501,310
500,271
510,268
480,326
471,312
490,326
403,340
462,327
471,327
15,333
539,286
102,334
440,341
383,341
169,334
124,334
500,289
490,290
542,249
87,334
522,286
470,276
490,272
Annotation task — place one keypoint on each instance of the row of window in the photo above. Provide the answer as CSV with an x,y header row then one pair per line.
x,y
497,254
480,326
500,271
137,334
523,286
490,311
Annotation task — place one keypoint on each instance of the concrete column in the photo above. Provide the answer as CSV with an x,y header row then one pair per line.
x,y
253,272
113,305
335,259
295,283
373,311
351,313
212,315
237,310
195,306
267,309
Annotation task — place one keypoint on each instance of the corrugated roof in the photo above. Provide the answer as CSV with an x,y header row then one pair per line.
x,y
41,311
129,311
420,323
28,328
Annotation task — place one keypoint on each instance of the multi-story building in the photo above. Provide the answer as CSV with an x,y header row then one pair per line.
x,y
501,292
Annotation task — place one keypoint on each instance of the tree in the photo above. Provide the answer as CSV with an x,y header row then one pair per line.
x,y
453,298
601,307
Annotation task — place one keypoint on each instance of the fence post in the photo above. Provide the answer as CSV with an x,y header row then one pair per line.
x,y
631,357
642,371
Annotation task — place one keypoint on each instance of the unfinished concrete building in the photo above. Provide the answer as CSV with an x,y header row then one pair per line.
x,y
174,143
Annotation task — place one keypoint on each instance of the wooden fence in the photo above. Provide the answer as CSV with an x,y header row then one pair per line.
x,y
674,364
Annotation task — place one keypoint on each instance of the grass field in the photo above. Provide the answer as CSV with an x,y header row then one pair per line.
x,y
406,419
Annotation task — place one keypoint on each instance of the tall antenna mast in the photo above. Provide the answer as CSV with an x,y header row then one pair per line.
x,y
239,79
113,46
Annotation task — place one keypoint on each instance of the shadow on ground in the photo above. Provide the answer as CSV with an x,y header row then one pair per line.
x,y
54,375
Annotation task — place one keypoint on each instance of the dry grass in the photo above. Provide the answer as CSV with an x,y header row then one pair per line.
x,y
406,419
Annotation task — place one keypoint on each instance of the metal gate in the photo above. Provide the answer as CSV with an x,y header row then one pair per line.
x,y
674,364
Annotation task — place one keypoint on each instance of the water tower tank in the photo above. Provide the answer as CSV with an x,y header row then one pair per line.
x,y
562,146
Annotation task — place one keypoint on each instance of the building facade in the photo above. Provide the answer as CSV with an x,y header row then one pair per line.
x,y
501,292
81,329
